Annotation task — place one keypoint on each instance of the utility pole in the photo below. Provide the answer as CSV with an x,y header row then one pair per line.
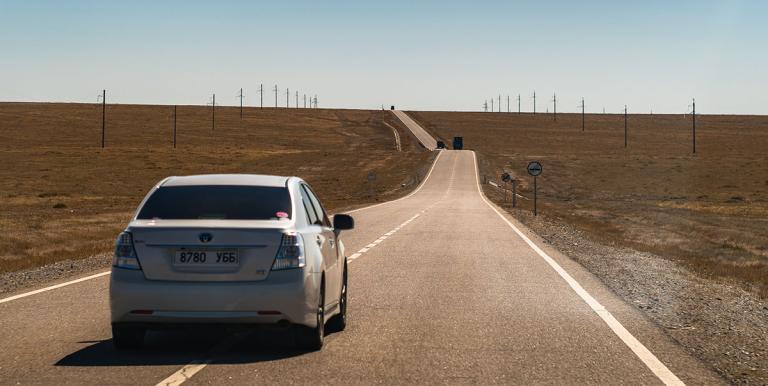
x,y
297,99
174,126
519,104
485,106
261,91
305,102
534,103
287,97
103,117
315,100
625,126
241,102
491,104
499,102
508,103
213,113
582,113
554,100
275,96
694,125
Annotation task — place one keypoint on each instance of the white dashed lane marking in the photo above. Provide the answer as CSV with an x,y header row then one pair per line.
x,y
378,241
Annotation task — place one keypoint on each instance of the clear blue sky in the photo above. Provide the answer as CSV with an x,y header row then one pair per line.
x,y
426,55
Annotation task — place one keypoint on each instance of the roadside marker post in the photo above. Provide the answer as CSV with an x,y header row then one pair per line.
x,y
371,179
535,169
514,193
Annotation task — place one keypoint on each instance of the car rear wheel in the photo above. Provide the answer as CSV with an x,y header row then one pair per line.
x,y
127,337
311,338
339,321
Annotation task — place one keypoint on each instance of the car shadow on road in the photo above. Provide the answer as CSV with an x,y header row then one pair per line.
x,y
220,345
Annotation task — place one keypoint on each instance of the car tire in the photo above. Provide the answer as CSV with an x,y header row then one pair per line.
x,y
127,337
339,322
311,338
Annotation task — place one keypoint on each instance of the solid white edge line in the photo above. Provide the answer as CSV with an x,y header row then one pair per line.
x,y
646,356
53,287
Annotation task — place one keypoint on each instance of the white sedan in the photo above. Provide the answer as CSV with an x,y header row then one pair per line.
x,y
230,248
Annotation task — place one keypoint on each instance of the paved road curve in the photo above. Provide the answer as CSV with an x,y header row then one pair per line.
x,y
424,138
443,290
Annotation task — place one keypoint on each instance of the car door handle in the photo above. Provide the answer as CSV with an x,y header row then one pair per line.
x,y
319,240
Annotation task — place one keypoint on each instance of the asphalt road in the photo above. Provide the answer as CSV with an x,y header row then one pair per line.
x,y
443,290
424,138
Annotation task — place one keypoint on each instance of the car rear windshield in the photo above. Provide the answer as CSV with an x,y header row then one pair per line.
x,y
217,202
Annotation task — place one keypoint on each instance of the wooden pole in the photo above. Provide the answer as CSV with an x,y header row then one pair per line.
x,y
174,126
103,117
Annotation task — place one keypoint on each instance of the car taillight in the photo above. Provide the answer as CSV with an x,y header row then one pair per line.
x,y
125,253
291,252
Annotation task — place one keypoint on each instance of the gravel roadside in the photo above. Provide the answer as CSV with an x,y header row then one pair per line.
x,y
715,321
51,274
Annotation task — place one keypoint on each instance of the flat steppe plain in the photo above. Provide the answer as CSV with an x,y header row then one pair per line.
x,y
65,198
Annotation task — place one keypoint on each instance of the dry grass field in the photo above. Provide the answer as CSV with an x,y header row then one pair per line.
x,y
64,197
708,210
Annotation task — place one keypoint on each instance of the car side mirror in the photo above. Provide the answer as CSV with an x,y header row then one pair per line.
x,y
343,222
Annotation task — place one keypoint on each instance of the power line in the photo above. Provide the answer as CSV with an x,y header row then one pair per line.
x,y
625,126
554,101
241,102
103,117
275,96
174,126
693,115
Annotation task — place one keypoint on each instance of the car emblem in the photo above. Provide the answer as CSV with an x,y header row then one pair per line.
x,y
205,237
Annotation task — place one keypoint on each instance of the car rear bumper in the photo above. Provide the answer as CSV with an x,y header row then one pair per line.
x,y
286,296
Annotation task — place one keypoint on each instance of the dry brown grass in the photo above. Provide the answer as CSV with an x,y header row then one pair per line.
x,y
707,210
64,197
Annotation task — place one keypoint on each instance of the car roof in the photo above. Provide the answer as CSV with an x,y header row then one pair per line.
x,y
227,179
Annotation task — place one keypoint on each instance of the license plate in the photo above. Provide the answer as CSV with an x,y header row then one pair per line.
x,y
206,258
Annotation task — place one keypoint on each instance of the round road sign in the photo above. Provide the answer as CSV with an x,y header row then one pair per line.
x,y
534,168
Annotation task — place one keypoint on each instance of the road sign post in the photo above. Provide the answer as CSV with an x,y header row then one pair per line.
x,y
535,169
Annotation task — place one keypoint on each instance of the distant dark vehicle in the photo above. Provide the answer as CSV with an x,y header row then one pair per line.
x,y
440,145
458,143
392,107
